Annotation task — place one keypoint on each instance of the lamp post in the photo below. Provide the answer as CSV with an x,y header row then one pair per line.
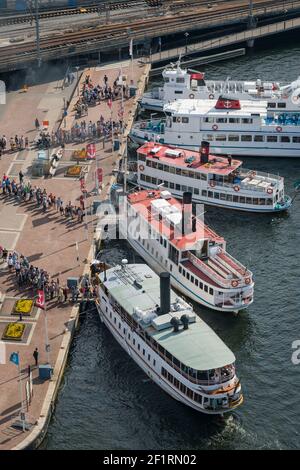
x,y
77,68
186,34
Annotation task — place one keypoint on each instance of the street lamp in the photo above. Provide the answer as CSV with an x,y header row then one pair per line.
x,y
186,37
77,68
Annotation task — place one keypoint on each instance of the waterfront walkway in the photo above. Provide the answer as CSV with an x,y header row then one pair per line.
x,y
63,247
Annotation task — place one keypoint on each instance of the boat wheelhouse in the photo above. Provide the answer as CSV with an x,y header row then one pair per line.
x,y
213,180
180,83
164,232
171,344
240,128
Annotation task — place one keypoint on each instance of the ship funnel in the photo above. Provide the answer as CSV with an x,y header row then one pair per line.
x,y
186,213
165,293
204,152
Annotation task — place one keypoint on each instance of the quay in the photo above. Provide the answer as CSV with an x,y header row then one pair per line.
x,y
63,247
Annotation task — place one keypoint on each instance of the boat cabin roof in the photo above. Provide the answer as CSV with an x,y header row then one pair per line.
x,y
188,159
197,347
202,107
144,201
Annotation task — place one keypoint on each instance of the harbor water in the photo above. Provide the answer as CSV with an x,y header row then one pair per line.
x,y
107,402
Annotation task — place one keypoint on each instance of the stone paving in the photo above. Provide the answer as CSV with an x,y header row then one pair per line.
x,y
49,241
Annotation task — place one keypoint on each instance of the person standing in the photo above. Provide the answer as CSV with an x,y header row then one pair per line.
x,y
37,124
36,356
21,176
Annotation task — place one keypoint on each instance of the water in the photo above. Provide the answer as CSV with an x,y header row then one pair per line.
x,y
106,401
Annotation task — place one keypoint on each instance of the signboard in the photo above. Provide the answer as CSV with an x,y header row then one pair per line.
x,y
99,175
91,151
45,123
40,301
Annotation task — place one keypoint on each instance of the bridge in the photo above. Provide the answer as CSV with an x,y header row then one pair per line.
x,y
227,40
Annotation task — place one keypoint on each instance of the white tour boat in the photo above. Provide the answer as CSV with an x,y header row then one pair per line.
x,y
167,340
231,126
180,83
216,181
164,232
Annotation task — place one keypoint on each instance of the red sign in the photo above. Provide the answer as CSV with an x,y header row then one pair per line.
x,y
82,185
40,301
91,151
100,175
45,123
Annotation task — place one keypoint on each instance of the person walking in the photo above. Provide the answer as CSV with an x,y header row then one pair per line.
x,y
36,356
21,176
65,292
36,123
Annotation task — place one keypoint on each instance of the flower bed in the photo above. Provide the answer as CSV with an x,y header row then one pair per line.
x,y
73,171
14,331
23,306
79,154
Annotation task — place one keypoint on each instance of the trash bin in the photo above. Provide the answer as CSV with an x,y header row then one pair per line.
x,y
116,145
132,91
45,371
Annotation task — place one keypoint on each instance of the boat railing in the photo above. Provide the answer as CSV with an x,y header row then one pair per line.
x,y
263,174
234,263
198,263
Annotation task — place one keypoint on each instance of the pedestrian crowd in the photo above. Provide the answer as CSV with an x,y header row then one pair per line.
x,y
24,192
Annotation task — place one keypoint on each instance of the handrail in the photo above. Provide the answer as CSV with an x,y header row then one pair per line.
x,y
207,270
237,263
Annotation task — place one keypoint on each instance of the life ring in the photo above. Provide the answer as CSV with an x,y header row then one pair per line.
x,y
215,127
247,280
278,128
211,96
236,188
141,167
191,96
234,283
212,184
270,191
178,119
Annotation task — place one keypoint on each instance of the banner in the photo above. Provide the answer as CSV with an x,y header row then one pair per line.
x,y
91,151
40,301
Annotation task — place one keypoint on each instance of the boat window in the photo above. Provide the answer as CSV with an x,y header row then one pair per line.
x,y
192,279
233,138
154,362
178,92
174,119
177,187
271,105
246,138
234,120
142,158
185,120
284,138
183,272
242,199
205,288
149,163
217,195
229,197
154,181
210,194
221,137
208,119
115,320
166,79
191,174
247,120
190,189
201,285
204,193
184,173
196,191
223,197
211,291
269,202
262,201
172,169
296,140
235,199
166,168
258,138
172,185
180,80
178,171
221,120
183,188
209,137
272,138
182,388
154,164
139,347
165,243
255,201
180,269
248,200
196,282
142,177
281,105
110,315
160,166
188,276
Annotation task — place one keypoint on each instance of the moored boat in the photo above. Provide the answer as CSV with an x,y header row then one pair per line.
x,y
214,180
164,232
167,340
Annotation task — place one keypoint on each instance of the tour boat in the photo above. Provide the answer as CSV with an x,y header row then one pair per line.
x,y
164,232
234,127
217,181
180,83
167,340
